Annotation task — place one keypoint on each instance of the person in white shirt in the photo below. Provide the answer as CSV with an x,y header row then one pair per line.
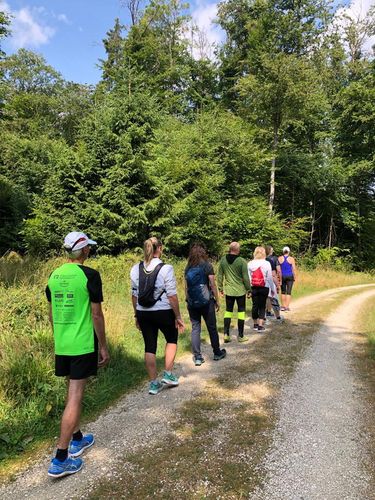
x,y
156,307
260,274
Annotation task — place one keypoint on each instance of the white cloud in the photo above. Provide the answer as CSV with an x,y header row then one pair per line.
x,y
204,15
357,11
28,30
63,18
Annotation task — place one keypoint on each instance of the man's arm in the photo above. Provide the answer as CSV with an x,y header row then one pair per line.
x,y
99,326
50,314
213,287
220,278
245,276
278,270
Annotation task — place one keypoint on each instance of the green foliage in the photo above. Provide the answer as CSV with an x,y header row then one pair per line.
x,y
12,207
249,222
172,143
328,259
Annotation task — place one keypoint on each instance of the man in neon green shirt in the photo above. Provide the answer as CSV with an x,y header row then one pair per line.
x,y
74,292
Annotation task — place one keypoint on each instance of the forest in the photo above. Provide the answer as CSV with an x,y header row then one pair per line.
x,y
265,138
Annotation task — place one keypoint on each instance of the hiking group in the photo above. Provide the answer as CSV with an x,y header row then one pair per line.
x,y
74,292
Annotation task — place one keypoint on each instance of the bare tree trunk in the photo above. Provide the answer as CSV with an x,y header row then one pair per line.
x,y
359,223
330,236
312,226
273,168
133,7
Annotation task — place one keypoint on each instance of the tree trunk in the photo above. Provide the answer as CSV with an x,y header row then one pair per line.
x,y
312,226
273,168
330,236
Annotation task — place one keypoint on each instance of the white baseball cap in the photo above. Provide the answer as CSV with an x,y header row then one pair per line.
x,y
286,250
77,240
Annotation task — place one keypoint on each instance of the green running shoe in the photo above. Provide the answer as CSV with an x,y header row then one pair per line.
x,y
155,388
169,379
227,339
243,338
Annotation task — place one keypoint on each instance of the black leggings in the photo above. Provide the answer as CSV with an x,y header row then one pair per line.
x,y
259,295
241,306
150,322
287,285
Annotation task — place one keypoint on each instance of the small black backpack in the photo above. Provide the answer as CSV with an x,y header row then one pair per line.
x,y
146,285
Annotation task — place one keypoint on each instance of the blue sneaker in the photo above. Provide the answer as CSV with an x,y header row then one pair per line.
x,y
155,388
198,360
68,466
169,379
76,448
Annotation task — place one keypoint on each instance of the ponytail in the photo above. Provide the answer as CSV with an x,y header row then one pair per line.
x,y
149,248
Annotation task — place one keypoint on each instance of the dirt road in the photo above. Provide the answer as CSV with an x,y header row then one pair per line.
x,y
299,388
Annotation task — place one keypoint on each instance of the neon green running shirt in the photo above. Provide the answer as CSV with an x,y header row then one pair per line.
x,y
71,289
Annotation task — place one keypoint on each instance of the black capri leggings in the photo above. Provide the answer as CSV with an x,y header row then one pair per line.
x,y
150,322
287,285
259,295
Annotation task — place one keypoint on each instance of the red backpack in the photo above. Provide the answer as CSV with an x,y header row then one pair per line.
x,y
257,278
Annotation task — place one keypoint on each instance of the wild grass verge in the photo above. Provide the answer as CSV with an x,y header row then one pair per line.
x,y
367,321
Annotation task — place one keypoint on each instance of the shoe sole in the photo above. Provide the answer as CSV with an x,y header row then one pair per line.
x,y
227,341
199,363
154,393
245,339
168,382
78,453
65,473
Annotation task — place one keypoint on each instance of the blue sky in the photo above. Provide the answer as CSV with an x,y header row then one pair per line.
x,y
69,33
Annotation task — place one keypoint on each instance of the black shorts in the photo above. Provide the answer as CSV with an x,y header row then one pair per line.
x,y
150,322
287,285
76,367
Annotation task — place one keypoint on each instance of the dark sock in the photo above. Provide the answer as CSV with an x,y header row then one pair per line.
x,y
62,454
226,326
77,436
241,326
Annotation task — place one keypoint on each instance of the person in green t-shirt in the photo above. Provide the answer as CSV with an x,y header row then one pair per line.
x,y
74,292
233,281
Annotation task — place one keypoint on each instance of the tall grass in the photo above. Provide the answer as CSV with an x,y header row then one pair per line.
x,y
319,279
367,321
31,397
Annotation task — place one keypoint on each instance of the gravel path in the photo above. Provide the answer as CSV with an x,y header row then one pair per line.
x,y
138,419
319,445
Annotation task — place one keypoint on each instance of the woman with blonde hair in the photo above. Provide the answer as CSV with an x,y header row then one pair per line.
x,y
260,274
156,307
